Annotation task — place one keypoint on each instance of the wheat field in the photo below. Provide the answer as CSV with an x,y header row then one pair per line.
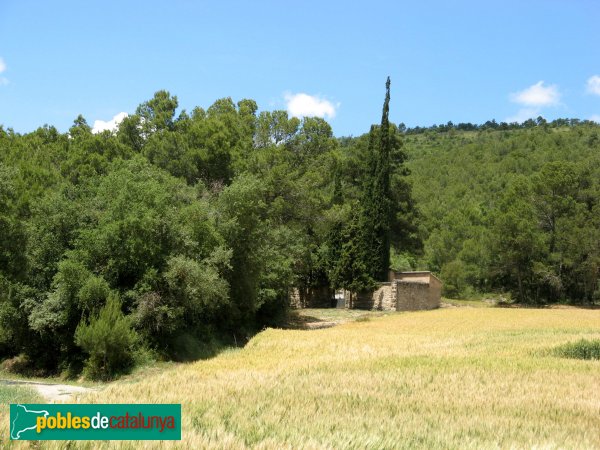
x,y
449,378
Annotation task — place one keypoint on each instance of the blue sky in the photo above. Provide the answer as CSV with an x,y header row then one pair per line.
x,y
464,61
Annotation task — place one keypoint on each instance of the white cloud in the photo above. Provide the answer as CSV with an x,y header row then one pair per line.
x,y
595,118
304,105
537,95
593,85
111,125
523,114
3,80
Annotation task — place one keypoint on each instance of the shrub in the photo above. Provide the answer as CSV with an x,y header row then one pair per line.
x,y
187,347
109,340
20,364
582,349
455,280
196,287
93,294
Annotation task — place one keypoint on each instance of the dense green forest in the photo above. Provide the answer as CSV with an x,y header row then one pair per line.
x,y
513,209
182,229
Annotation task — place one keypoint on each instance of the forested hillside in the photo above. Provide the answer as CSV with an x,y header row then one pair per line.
x,y
180,228
510,208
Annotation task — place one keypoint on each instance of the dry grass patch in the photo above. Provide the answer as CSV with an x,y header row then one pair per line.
x,y
450,378
316,318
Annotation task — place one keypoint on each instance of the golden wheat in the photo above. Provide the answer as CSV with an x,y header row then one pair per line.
x,y
450,378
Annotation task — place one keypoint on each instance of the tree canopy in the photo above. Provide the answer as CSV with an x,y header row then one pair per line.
x,y
185,228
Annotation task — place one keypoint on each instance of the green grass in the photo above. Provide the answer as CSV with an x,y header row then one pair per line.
x,y
582,349
17,394
13,394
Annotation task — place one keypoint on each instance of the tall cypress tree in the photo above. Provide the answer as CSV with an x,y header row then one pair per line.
x,y
377,203
360,250
383,183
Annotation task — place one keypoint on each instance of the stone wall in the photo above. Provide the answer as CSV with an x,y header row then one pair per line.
x,y
408,291
383,298
435,291
311,297
361,300
417,277
416,296
399,295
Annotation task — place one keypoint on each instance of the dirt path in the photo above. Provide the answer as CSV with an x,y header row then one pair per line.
x,y
52,393
319,325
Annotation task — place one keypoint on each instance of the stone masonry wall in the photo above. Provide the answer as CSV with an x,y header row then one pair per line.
x,y
400,295
383,298
318,297
362,300
416,296
435,292
408,292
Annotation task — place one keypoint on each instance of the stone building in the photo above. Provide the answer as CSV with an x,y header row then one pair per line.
x,y
312,297
405,291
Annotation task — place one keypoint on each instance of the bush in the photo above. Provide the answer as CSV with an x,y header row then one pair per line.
x,y
454,276
582,349
187,347
109,340
93,294
196,287
20,364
